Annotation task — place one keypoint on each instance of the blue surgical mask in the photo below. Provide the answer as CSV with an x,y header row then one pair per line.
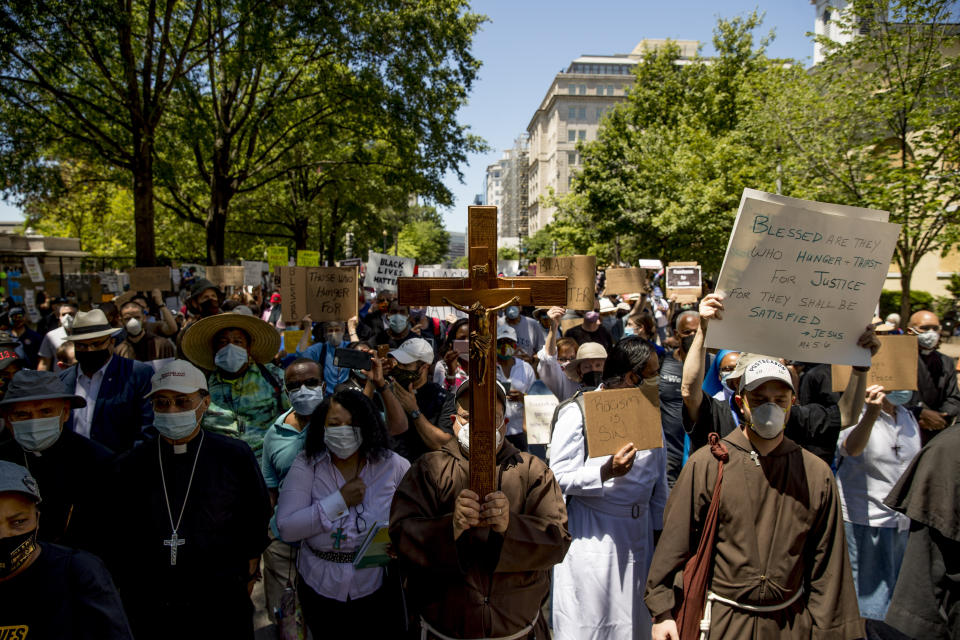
x,y
398,322
724,380
37,434
176,425
629,331
513,312
306,399
231,358
899,397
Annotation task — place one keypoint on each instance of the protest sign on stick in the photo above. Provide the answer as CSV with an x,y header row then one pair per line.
x,y
383,271
616,417
684,281
253,271
581,274
326,293
32,265
801,279
277,256
894,367
225,276
537,417
308,258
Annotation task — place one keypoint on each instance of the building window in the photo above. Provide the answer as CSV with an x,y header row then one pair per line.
x,y
582,113
571,113
610,91
571,158
583,89
571,135
599,113
582,134
572,89
600,90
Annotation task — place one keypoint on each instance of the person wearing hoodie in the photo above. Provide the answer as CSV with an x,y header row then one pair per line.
x,y
460,549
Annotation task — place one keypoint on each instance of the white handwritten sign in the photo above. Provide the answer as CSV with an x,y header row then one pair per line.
x,y
383,271
438,272
801,279
537,416
253,271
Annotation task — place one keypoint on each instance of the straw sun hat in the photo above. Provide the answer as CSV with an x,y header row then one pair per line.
x,y
198,340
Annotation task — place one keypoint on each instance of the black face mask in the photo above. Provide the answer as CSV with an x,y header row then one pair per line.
x,y
686,342
91,361
209,308
591,379
405,378
15,551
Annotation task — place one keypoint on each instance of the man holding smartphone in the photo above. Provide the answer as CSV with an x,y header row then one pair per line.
x,y
421,399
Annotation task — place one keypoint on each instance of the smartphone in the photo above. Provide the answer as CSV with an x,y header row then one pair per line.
x,y
383,350
462,347
352,359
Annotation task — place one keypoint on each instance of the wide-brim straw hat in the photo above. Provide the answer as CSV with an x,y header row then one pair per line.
x,y
197,342
91,325
587,351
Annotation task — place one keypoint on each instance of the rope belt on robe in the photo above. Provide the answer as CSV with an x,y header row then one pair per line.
x,y
427,628
752,608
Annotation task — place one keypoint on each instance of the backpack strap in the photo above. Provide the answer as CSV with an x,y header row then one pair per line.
x,y
277,389
578,399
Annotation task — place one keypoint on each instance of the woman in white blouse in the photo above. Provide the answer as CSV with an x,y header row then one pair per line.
x,y
872,455
339,486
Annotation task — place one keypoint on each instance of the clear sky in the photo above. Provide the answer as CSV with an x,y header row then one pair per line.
x,y
526,42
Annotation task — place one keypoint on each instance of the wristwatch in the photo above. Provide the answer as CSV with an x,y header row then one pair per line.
x,y
415,414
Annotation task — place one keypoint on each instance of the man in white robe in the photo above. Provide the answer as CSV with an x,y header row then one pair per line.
x,y
615,507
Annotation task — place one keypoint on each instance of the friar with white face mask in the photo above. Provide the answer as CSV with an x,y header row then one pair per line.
x,y
72,468
191,521
937,403
460,549
773,559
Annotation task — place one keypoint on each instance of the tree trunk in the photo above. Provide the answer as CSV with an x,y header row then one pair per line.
x,y
222,191
334,230
905,277
301,227
143,213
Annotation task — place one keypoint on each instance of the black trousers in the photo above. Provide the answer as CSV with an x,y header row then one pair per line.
x,y
366,617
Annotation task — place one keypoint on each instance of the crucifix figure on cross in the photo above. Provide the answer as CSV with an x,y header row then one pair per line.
x,y
481,296
174,542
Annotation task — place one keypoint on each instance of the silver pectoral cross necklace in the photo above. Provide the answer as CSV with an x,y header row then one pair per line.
x,y
175,541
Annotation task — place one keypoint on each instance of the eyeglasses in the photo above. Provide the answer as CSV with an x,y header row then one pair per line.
x,y
313,383
184,403
360,522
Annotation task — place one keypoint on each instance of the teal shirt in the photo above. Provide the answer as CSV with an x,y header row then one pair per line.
x,y
245,407
281,444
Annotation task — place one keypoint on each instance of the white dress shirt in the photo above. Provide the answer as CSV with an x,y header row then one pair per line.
x,y
88,388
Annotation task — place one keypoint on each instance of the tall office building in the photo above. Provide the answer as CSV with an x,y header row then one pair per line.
x,y
571,112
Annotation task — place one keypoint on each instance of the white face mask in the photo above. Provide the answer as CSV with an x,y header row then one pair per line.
x,y
306,399
463,437
37,434
134,327
768,420
67,321
231,358
342,441
176,425
928,340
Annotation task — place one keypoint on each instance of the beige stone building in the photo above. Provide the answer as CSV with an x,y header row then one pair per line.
x,y
572,112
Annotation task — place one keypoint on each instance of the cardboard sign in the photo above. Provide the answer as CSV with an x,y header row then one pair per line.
x,y
308,258
614,418
570,323
383,271
149,278
581,274
326,293
253,271
32,265
801,279
632,280
684,280
225,276
277,256
537,416
894,366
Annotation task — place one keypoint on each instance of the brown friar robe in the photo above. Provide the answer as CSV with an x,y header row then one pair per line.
x,y
780,528
485,584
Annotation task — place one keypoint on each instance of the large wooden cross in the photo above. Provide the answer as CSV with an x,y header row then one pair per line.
x,y
481,295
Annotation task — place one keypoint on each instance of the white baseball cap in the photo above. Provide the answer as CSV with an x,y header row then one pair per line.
x,y
179,376
412,350
506,332
763,370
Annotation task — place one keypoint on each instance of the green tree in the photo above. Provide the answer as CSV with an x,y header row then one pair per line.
x,y
424,237
92,81
877,124
665,175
